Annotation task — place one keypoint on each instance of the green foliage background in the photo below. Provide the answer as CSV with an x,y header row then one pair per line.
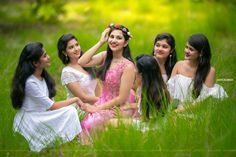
x,y
208,130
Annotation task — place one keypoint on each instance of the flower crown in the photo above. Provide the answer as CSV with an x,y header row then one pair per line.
x,y
122,28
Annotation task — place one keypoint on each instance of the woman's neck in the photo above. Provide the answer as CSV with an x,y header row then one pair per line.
x,y
161,63
192,63
73,63
38,73
190,68
117,55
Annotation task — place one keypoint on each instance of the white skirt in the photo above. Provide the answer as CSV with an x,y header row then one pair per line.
x,y
41,129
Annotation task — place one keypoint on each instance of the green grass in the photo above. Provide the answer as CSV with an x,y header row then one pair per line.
x,y
207,130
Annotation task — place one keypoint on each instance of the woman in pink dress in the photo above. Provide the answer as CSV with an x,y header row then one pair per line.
x,y
117,73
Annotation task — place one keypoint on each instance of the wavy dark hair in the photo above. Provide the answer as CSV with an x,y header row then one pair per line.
x,y
170,62
61,47
155,96
126,53
25,68
201,44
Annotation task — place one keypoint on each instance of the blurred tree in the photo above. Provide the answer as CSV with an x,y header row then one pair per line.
x,y
48,10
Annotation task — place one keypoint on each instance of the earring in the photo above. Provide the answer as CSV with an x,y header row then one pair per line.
x,y
66,57
201,59
170,60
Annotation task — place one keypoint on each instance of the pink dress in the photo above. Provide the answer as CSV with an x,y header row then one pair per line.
x,y
110,90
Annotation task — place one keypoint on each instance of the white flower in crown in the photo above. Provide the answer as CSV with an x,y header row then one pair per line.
x,y
129,34
111,25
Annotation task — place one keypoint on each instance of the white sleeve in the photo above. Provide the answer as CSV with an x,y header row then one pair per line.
x,y
171,86
174,88
68,77
33,90
216,91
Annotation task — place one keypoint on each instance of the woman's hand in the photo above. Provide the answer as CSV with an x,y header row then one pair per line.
x,y
104,36
79,102
124,107
88,108
116,111
180,108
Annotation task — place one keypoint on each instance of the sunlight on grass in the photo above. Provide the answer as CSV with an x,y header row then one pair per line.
x,y
207,130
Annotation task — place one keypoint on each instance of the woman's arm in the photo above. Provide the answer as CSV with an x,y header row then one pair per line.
x,y
64,103
89,59
76,90
128,106
34,91
176,67
126,83
211,78
98,89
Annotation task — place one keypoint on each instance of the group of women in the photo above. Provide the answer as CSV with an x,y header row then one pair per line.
x,y
100,84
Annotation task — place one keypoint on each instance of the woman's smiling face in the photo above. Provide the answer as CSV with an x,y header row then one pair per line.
x,y
116,40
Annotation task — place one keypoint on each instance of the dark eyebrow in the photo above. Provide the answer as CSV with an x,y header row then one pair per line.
x,y
70,46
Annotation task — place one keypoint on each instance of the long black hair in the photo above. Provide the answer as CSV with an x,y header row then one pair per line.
x,y
61,47
172,58
201,44
155,96
126,52
30,53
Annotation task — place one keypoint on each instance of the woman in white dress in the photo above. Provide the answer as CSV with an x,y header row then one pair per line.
x,y
193,79
165,53
39,119
79,81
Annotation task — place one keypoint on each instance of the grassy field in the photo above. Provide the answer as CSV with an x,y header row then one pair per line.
x,y
207,130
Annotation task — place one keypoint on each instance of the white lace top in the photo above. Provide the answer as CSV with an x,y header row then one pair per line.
x,y
87,84
180,87
70,75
